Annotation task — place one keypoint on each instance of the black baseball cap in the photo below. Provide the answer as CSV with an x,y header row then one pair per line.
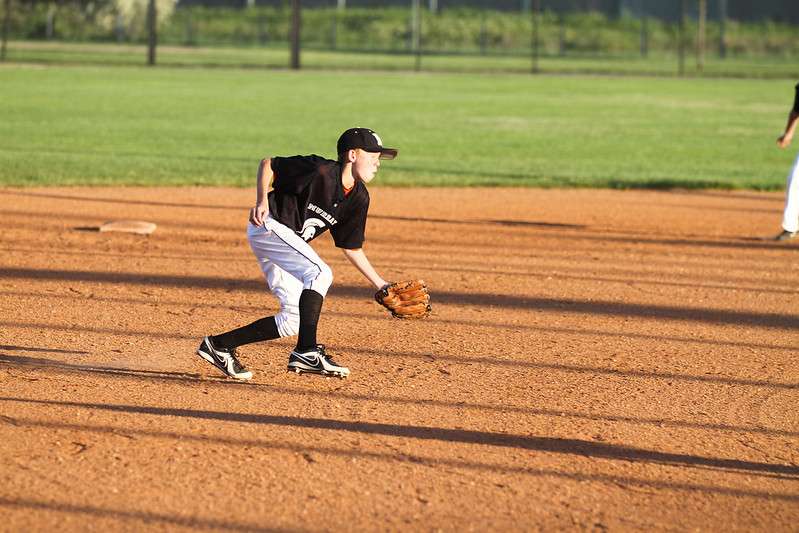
x,y
365,139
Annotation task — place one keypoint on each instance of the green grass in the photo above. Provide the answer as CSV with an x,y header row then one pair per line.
x,y
187,126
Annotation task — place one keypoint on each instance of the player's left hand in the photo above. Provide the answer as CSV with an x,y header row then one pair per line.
x,y
784,141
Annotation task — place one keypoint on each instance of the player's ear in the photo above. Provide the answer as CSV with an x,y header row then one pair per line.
x,y
352,155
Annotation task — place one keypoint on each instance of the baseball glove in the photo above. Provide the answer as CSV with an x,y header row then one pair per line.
x,y
405,299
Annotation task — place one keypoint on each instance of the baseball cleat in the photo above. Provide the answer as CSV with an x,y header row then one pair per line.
x,y
316,362
786,235
224,360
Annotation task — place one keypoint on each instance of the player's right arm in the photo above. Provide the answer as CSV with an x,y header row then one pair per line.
x,y
264,180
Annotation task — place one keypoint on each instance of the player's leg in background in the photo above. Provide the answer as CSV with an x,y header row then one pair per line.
x,y
790,219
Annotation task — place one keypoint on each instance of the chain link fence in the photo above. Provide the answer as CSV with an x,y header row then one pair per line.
x,y
674,37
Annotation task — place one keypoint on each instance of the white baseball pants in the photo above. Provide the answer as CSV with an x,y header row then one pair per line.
x,y
289,265
790,217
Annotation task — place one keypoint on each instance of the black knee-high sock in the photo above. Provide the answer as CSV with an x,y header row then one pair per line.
x,y
310,309
264,329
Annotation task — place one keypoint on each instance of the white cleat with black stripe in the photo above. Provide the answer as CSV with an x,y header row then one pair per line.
x,y
316,362
224,360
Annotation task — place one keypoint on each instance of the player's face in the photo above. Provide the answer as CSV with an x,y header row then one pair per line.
x,y
365,165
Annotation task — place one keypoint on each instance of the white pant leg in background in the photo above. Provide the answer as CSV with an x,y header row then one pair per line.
x,y
790,217
289,265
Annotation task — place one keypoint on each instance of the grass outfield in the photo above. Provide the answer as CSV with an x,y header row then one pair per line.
x,y
178,126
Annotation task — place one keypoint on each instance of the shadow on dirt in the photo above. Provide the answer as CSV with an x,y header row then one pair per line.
x,y
122,200
107,370
152,375
593,234
448,360
737,242
475,222
260,310
137,516
586,233
575,369
569,306
754,283
308,453
466,436
709,193
32,349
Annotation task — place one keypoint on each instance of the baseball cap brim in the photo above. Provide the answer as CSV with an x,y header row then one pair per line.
x,y
387,153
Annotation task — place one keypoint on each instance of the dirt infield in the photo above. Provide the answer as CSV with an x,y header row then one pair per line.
x,y
595,360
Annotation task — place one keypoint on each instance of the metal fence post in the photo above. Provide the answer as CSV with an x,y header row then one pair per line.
x,y
6,29
49,31
483,29
644,30
263,31
119,27
295,33
700,36
534,44
334,30
681,37
152,38
189,28
416,33
723,28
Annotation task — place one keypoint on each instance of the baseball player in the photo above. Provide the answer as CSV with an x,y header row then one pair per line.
x,y
310,195
790,217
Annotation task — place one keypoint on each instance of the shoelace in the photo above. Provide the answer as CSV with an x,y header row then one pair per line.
x,y
322,353
236,364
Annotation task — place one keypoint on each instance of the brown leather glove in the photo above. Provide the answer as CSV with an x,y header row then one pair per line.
x,y
405,299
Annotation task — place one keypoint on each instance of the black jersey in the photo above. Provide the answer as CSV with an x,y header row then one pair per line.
x,y
796,100
308,197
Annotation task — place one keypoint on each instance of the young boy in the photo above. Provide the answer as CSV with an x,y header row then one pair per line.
x,y
790,217
310,195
